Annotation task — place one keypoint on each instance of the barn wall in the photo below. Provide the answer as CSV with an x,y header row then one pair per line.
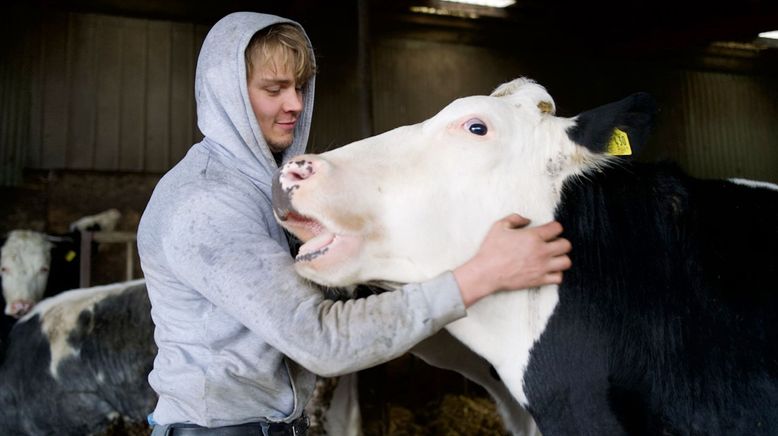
x,y
112,93
415,79
729,124
15,72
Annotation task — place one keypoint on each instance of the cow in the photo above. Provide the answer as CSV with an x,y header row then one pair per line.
x,y
78,364
35,264
665,324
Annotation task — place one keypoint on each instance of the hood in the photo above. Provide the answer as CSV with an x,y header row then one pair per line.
x,y
224,113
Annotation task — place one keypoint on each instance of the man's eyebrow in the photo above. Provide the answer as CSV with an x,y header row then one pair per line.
x,y
276,81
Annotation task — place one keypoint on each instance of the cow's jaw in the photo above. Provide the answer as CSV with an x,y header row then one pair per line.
x,y
322,249
315,236
326,251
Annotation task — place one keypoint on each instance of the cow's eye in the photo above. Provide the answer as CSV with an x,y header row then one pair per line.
x,y
44,269
476,127
3,270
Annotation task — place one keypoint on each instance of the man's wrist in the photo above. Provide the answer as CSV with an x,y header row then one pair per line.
x,y
471,285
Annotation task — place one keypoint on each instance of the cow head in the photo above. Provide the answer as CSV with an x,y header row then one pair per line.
x,y
24,265
408,204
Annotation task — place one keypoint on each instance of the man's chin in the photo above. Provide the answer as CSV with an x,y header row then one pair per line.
x,y
279,146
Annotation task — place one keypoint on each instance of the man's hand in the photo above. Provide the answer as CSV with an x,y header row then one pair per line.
x,y
514,257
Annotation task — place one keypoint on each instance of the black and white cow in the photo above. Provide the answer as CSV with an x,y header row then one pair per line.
x,y
667,322
35,264
78,362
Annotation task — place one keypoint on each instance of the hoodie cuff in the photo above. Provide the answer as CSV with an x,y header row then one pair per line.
x,y
444,299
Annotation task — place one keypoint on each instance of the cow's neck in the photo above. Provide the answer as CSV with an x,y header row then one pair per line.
x,y
503,327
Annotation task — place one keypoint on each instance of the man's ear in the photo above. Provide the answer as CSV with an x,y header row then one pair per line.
x,y
618,128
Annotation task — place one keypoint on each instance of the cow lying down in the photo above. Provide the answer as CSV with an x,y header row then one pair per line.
x,y
78,364
667,321
79,361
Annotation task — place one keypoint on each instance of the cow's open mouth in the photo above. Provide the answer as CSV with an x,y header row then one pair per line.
x,y
317,239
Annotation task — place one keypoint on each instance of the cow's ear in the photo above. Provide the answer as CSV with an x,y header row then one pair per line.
x,y
620,128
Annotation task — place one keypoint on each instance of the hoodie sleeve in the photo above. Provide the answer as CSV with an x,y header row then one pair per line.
x,y
223,249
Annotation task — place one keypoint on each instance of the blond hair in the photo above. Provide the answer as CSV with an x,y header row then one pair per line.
x,y
285,44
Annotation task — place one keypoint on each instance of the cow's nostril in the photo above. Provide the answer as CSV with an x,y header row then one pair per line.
x,y
299,170
290,177
19,308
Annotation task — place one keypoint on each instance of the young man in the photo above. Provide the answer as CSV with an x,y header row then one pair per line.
x,y
240,335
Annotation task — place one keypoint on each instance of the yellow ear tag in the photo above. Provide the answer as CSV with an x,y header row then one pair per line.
x,y
70,255
619,144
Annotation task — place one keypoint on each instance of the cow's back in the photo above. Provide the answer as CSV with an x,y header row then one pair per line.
x,y
103,381
666,323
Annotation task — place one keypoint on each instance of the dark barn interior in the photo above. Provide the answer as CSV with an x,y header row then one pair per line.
x,y
96,99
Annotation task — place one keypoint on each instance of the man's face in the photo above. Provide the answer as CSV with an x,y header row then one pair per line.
x,y
277,102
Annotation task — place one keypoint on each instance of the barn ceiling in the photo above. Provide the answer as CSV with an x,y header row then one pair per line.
x,y
641,24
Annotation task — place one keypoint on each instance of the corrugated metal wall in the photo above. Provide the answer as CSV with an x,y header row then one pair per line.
x,y
15,64
730,125
415,79
14,135
112,93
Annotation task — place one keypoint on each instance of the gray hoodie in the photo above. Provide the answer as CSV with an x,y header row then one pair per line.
x,y
240,334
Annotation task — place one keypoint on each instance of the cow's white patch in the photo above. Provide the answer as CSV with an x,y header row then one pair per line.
x,y
58,316
105,221
755,183
520,318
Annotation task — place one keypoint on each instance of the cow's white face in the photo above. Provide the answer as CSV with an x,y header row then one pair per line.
x,y
25,260
415,201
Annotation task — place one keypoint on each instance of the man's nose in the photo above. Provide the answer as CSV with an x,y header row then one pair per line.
x,y
293,101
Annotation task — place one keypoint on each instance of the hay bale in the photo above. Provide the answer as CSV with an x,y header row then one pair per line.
x,y
453,415
461,415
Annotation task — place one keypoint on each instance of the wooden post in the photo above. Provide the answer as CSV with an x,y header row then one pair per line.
x,y
85,265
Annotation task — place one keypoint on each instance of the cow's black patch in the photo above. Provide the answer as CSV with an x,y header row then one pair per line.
x,y
64,269
6,323
107,377
634,115
281,198
667,322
